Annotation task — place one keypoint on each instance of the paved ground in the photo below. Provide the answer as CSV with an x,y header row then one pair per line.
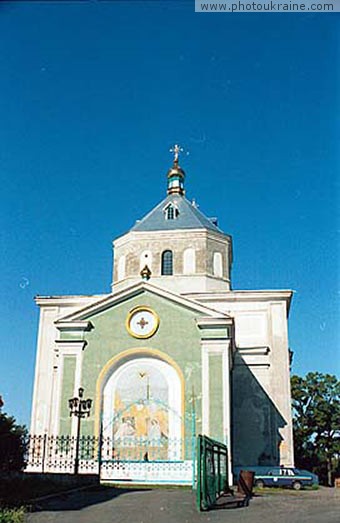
x,y
110,505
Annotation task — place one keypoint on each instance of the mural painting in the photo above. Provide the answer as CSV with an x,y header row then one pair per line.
x,y
140,426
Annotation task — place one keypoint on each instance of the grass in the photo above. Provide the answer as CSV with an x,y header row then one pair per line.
x,y
12,515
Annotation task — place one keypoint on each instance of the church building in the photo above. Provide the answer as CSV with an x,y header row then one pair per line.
x,y
172,351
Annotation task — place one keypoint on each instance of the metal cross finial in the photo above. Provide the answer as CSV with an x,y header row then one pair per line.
x,y
176,149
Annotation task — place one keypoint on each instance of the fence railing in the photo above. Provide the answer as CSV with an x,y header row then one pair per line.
x,y
58,453
212,471
46,453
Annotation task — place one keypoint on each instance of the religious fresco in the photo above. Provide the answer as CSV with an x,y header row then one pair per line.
x,y
140,427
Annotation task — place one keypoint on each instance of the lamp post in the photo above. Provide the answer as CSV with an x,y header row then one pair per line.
x,y
81,409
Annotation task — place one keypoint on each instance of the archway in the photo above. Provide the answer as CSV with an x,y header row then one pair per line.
x,y
142,410
140,399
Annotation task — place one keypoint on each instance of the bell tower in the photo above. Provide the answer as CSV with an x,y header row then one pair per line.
x,y
175,245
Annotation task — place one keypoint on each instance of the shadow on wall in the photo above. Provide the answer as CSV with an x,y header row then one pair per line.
x,y
255,421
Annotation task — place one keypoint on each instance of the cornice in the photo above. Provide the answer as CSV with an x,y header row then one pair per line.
x,y
73,326
175,233
242,296
59,301
211,322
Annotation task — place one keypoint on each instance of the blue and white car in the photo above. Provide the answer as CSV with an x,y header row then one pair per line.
x,y
286,477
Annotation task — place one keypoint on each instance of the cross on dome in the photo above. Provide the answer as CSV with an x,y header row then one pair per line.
x,y
176,174
176,149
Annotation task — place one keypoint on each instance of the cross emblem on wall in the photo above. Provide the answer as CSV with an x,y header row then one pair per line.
x,y
142,322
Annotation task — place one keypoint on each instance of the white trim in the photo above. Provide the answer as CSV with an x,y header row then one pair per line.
x,y
226,364
41,409
253,351
205,391
56,407
64,301
208,321
73,325
68,348
180,283
241,296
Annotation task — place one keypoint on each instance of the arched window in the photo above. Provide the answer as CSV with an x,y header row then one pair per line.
x,y
218,269
121,268
167,263
189,261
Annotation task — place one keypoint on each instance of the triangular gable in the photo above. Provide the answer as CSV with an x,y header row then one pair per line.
x,y
135,290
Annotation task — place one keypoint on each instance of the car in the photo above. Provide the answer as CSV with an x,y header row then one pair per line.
x,y
286,477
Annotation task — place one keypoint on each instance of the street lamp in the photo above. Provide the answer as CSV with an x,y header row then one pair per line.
x,y
81,409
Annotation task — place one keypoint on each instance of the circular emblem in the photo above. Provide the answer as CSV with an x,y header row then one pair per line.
x,y
142,322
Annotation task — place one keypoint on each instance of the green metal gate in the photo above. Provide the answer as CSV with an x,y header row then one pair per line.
x,y
212,471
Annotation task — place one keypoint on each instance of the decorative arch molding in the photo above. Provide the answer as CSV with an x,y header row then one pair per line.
x,y
120,359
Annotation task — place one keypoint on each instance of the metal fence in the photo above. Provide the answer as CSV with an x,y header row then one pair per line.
x,y
212,471
58,454
158,460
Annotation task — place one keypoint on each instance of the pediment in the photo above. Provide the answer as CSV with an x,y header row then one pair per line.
x,y
82,317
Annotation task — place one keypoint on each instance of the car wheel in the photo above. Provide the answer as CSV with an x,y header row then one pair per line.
x,y
297,485
259,483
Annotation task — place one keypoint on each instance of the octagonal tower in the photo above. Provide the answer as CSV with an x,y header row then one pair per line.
x,y
175,246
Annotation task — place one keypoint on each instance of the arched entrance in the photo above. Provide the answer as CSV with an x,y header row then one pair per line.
x,y
144,438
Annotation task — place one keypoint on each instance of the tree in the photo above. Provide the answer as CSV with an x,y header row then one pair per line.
x,y
316,421
12,443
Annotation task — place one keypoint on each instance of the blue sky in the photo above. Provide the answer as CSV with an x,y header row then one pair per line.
x,y
93,94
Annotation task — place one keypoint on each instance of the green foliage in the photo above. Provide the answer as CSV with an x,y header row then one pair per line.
x,y
12,444
15,515
316,418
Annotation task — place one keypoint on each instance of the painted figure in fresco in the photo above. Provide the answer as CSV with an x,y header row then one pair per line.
x,y
126,429
154,432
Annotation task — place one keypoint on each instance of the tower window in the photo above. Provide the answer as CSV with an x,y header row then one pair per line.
x,y
167,269
171,212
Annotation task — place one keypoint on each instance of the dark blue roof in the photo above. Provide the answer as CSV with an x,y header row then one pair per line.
x,y
189,217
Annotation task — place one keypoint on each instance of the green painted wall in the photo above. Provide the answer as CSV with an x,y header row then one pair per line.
x,y
69,370
178,336
213,333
